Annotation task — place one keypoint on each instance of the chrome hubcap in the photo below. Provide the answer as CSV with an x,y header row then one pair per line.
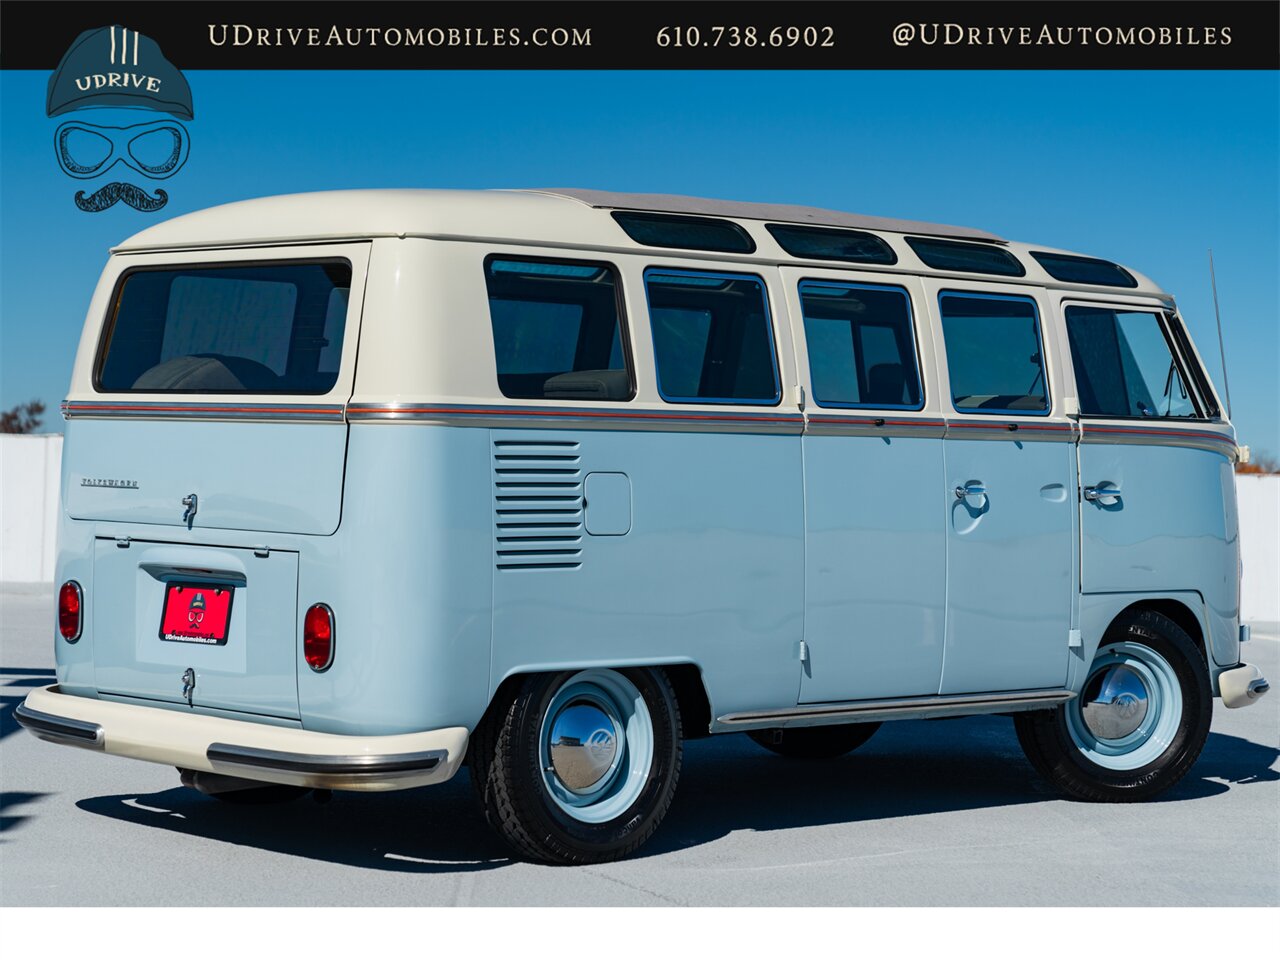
x,y
595,746
1130,709
1115,703
584,746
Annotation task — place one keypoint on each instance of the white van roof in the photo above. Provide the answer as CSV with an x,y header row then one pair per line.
x,y
347,214
568,217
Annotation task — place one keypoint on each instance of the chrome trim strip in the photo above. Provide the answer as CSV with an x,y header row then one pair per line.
x,y
1162,437
55,729
582,417
1005,427
158,410
347,767
854,424
888,709
774,421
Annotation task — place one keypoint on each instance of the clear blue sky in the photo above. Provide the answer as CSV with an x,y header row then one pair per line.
x,y
1149,169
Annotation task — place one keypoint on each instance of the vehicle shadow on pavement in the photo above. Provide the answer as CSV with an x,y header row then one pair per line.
x,y
428,830
18,677
1224,762
727,784
9,801
907,769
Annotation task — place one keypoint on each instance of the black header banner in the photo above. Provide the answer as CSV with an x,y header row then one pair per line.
x,y
777,35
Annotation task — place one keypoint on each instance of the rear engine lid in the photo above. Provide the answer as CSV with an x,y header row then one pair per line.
x,y
202,626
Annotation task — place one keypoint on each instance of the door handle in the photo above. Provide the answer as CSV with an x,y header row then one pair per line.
x,y
973,490
1104,493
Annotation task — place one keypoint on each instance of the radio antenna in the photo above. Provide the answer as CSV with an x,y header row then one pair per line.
x,y
1217,315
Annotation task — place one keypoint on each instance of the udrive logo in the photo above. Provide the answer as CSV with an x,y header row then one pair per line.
x,y
116,72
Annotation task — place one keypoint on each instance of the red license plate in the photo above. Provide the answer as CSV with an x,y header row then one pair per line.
x,y
196,613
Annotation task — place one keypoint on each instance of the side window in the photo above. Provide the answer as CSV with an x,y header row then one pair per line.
x,y
712,338
861,345
993,353
557,330
1123,365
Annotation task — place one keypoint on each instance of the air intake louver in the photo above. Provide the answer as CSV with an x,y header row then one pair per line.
x,y
537,488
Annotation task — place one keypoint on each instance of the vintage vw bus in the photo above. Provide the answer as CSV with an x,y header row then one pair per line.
x,y
358,486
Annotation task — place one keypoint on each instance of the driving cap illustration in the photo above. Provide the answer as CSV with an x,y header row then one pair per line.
x,y
117,67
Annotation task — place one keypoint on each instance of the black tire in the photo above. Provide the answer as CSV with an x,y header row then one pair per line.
x,y
260,796
1058,755
516,790
815,743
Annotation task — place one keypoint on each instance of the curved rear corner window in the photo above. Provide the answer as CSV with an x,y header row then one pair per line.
x,y
1068,269
966,257
712,338
821,243
685,233
557,330
253,328
993,354
861,347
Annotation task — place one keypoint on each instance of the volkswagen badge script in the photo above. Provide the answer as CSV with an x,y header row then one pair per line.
x,y
108,482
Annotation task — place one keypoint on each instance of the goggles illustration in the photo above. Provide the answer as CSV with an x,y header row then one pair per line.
x,y
156,150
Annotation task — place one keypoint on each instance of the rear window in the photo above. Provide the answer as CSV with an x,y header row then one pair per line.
x,y
966,257
253,328
557,330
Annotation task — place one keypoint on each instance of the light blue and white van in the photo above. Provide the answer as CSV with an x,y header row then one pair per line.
x,y
362,486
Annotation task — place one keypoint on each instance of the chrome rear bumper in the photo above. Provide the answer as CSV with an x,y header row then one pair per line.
x,y
46,726
242,748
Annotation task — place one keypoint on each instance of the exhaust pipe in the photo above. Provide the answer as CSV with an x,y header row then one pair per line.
x,y
215,783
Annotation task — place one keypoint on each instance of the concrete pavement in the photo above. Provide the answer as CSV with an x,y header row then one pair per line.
x,y
926,813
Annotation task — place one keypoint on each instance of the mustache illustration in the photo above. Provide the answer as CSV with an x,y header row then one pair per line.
x,y
113,193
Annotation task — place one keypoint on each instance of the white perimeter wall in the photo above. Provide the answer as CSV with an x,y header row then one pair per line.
x,y
29,505
29,471
1259,498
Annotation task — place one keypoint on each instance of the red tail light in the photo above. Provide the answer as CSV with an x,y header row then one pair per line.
x,y
70,608
317,637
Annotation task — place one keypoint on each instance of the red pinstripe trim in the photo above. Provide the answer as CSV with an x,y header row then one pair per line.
x,y
197,408
550,412
1191,434
998,424
877,421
